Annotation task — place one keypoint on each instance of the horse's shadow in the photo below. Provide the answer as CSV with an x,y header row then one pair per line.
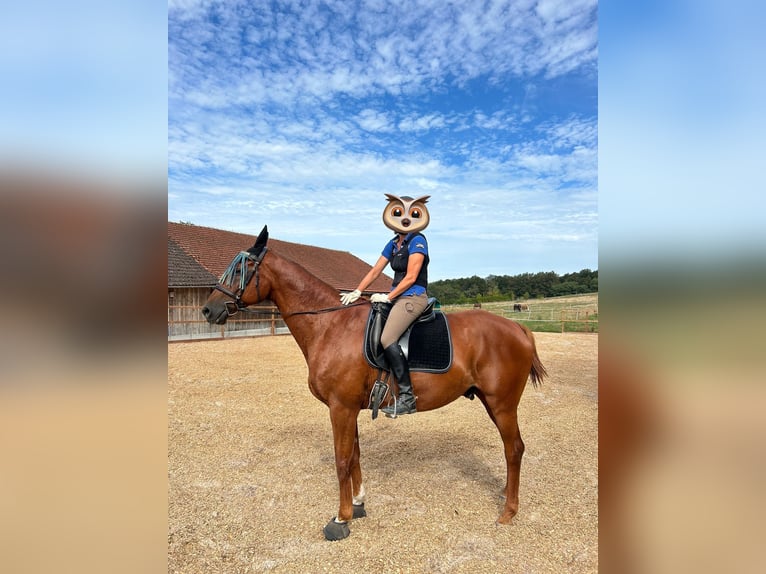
x,y
447,456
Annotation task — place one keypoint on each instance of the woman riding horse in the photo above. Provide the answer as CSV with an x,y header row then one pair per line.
x,y
493,359
407,253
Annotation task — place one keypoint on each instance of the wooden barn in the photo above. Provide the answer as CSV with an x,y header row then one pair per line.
x,y
198,256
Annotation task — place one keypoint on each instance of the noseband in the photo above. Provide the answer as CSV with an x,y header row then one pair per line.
x,y
245,275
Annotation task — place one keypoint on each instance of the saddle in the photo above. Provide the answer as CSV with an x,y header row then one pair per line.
x,y
427,343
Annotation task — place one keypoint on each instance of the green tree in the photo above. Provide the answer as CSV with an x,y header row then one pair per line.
x,y
505,287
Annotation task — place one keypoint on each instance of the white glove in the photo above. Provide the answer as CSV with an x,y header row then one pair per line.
x,y
348,298
379,298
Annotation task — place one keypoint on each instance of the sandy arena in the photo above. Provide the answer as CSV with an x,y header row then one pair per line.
x,y
252,477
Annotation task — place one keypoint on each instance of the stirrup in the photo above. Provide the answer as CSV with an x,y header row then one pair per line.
x,y
378,393
393,412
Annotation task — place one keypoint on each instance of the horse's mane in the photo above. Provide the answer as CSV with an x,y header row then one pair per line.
x,y
309,281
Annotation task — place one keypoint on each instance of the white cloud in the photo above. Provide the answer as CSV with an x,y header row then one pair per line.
x,y
421,123
395,51
374,121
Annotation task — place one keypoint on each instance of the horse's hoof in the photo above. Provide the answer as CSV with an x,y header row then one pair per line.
x,y
336,530
504,519
359,511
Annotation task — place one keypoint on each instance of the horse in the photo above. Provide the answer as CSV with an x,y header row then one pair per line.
x,y
493,359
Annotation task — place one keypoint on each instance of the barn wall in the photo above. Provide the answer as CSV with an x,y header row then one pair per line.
x,y
185,320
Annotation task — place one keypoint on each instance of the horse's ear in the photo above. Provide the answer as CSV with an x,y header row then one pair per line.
x,y
260,242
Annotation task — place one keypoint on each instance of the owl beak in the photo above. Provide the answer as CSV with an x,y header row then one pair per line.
x,y
405,222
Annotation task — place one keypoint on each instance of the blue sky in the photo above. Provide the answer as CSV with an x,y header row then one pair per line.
x,y
301,115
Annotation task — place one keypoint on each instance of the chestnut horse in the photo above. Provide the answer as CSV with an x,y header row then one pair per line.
x,y
493,358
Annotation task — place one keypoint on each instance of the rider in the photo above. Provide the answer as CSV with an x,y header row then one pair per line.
x,y
408,254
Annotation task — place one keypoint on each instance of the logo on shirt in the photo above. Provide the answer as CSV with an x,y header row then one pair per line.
x,y
420,246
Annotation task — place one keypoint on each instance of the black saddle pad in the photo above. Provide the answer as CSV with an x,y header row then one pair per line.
x,y
429,348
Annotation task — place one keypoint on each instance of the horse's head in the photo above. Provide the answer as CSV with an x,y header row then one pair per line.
x,y
240,285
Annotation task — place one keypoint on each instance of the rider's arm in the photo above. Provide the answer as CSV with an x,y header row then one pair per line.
x,y
373,273
414,263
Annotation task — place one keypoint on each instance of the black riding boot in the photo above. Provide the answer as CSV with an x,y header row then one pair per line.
x,y
401,370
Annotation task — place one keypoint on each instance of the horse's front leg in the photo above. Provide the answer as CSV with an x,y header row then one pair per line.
x,y
357,486
345,437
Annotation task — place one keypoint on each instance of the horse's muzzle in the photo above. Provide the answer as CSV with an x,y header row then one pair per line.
x,y
215,317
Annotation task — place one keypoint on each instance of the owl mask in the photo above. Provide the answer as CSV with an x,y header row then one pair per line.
x,y
406,215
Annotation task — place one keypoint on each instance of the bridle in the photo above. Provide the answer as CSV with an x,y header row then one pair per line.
x,y
245,275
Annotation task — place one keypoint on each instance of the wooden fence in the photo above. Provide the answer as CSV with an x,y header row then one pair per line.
x,y
186,323
544,315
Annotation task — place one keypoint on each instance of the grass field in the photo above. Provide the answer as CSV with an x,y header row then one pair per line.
x,y
569,313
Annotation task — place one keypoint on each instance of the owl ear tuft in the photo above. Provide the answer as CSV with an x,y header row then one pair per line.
x,y
422,199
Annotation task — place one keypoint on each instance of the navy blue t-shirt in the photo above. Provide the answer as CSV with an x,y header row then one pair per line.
x,y
416,244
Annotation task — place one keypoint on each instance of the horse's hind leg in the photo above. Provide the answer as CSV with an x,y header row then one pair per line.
x,y
508,425
514,450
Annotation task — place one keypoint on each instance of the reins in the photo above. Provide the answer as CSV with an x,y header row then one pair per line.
x,y
313,312
325,310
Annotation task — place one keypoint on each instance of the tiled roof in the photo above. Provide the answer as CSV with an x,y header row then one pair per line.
x,y
214,249
185,271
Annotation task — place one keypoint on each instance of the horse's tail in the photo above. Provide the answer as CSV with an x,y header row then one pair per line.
x,y
537,372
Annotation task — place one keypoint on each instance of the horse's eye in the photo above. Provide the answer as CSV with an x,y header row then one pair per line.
x,y
397,211
416,213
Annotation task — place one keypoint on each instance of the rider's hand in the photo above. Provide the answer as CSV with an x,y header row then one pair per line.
x,y
379,298
348,298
